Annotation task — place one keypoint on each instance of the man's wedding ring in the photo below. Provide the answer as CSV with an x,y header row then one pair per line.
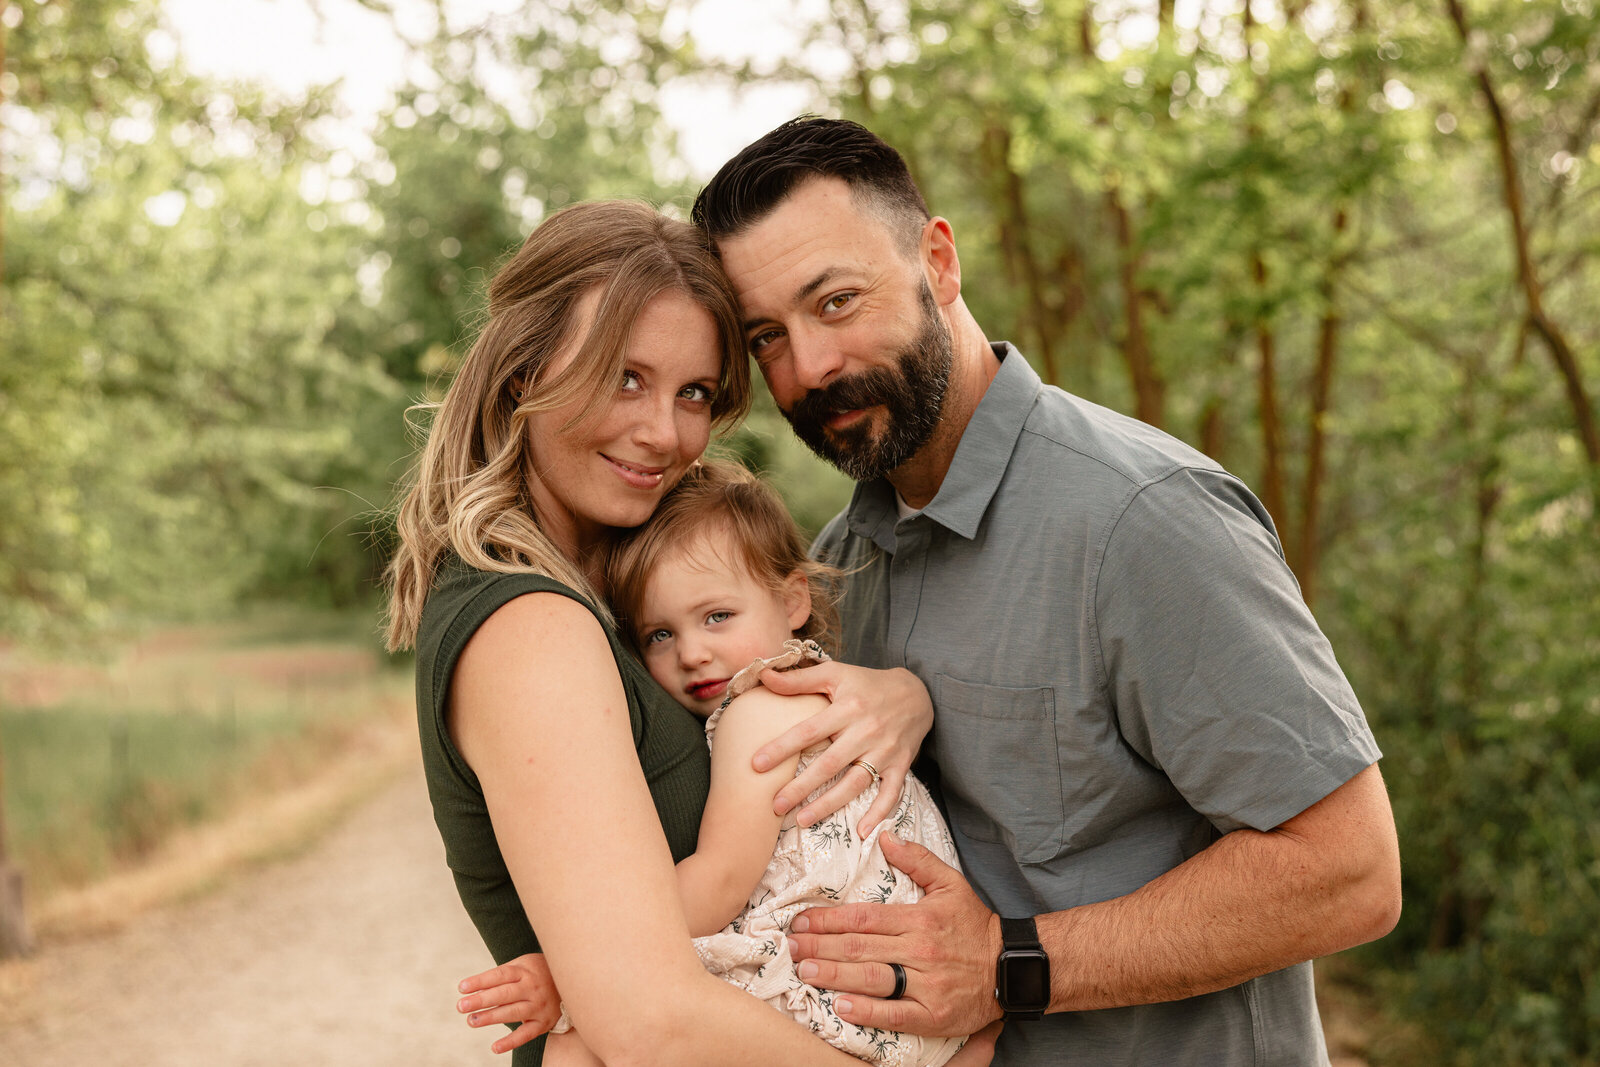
x,y
899,982
869,768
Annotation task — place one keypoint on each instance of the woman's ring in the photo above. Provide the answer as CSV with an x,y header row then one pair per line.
x,y
869,768
899,982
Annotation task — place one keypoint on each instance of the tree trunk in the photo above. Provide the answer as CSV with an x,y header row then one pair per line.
x,y
1211,429
858,58
1272,489
14,937
1149,390
1308,548
1527,271
1272,492
1018,249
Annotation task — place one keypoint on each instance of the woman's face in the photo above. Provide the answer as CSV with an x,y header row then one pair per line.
x,y
613,470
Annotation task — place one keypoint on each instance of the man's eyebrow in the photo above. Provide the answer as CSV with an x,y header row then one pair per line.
x,y
815,283
804,291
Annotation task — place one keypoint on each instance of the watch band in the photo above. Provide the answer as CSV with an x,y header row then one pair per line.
x,y
1020,933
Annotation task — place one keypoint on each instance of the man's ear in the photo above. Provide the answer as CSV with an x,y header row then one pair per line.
x,y
797,599
940,263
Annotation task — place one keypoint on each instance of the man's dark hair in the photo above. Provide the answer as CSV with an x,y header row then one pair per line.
x,y
751,184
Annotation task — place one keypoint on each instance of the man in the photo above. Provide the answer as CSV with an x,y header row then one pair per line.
x,y
1155,772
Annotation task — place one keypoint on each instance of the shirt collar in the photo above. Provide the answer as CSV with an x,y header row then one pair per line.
x,y
976,469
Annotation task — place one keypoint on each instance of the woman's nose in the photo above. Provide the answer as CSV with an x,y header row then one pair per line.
x,y
657,428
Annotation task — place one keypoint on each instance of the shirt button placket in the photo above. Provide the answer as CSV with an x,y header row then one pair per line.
x,y
906,572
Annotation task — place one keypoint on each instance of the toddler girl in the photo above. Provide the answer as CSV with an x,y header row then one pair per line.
x,y
712,590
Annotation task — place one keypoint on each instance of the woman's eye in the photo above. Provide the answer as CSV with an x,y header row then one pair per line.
x,y
631,382
696,392
719,616
656,636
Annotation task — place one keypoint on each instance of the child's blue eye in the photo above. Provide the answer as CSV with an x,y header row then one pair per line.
x,y
656,636
719,616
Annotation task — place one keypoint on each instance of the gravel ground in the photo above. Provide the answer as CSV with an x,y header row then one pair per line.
x,y
348,953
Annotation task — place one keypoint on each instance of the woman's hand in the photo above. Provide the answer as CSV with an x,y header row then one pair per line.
x,y
880,716
520,991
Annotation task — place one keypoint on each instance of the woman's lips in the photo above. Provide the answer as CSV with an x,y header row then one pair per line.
x,y
638,475
707,690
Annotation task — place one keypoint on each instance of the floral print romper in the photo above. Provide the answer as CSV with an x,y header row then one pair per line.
x,y
824,865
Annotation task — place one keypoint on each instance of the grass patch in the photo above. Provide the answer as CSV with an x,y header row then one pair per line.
x,y
88,789
109,760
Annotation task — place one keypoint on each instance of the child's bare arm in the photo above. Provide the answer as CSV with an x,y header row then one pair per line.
x,y
738,829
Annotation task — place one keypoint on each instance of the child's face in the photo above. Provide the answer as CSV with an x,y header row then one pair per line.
x,y
703,619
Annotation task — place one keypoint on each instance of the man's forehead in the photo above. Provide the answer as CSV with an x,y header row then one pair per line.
x,y
816,233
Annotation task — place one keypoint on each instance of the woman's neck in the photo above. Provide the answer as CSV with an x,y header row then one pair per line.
x,y
584,545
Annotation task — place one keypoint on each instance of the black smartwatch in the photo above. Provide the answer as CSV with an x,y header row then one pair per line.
x,y
1022,975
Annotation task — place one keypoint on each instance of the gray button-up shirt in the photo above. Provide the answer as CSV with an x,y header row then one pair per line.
x,y
1122,670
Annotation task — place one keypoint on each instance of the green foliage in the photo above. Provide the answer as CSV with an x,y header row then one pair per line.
x,y
463,174
170,391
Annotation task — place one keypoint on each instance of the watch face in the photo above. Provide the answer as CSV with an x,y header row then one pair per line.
x,y
1024,980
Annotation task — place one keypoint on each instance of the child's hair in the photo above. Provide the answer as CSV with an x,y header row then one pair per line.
x,y
718,495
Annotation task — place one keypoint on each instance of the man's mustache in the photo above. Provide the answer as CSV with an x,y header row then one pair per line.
x,y
865,389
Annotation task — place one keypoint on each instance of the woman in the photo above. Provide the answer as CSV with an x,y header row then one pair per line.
x,y
565,783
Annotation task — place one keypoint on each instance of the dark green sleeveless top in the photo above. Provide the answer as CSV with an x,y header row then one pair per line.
x,y
671,744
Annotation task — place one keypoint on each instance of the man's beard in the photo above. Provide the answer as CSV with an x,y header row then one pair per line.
x,y
911,394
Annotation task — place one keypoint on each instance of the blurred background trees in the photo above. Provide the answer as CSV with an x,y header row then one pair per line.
x,y
1347,247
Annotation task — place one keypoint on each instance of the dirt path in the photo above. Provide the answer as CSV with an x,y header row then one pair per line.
x,y
346,954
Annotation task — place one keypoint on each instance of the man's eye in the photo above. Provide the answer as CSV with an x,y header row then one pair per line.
x,y
762,340
839,300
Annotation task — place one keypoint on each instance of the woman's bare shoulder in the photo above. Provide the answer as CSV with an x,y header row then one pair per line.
x,y
542,625
537,651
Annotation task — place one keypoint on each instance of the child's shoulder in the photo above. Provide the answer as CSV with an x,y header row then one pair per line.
x,y
763,714
795,653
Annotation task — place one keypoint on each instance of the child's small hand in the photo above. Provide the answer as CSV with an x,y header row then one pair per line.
x,y
520,991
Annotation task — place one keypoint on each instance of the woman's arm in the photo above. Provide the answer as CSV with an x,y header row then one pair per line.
x,y
739,827
539,714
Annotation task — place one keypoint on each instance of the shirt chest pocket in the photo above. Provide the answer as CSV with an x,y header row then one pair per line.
x,y
1000,765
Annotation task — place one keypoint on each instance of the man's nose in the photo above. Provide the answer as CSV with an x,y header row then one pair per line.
x,y
817,356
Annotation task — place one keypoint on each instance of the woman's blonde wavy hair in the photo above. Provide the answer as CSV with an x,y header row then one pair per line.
x,y
468,491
